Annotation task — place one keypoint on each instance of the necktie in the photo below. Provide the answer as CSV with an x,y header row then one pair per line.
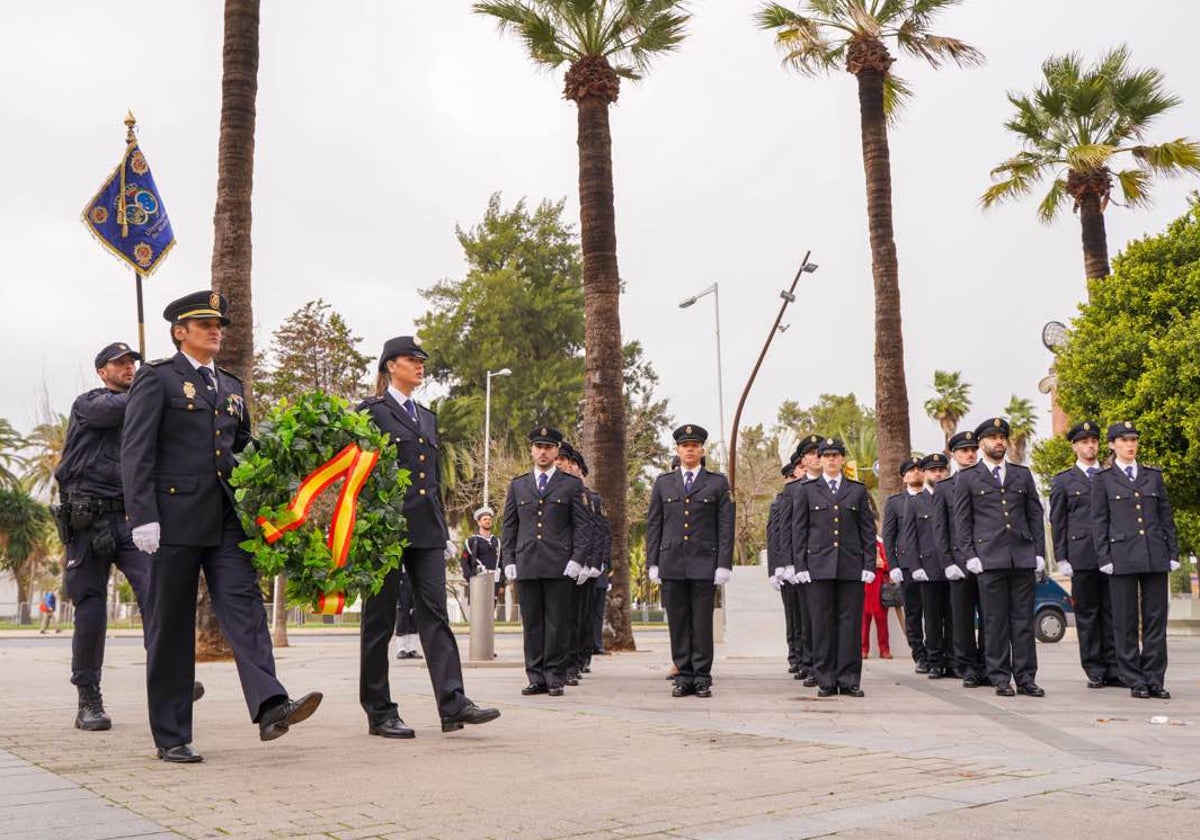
x,y
996,474
207,376
410,408
542,479
833,487
687,482
1091,472
1129,472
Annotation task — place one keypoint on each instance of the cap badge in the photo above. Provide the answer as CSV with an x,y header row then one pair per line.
x,y
996,422
416,341
829,441
688,430
1128,425
545,431
214,301
1087,426
122,347
189,390
970,435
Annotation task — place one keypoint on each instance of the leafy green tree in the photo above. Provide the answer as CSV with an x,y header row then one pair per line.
x,y
951,401
1074,128
26,540
1134,354
758,482
12,443
1022,421
47,440
1051,456
601,42
853,35
313,350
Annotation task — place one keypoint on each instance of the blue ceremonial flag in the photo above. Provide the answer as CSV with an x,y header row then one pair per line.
x,y
128,216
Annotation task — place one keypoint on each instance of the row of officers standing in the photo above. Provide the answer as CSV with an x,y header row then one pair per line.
x,y
966,549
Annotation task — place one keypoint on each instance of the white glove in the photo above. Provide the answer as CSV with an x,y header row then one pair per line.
x,y
868,577
146,537
954,572
1107,568
722,576
897,575
451,550
594,572
788,573
804,577
1174,565
608,588
654,578
775,582
1041,564
584,576
975,566
1064,568
921,576
573,569
510,571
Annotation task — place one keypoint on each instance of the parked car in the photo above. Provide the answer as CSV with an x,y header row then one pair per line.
x,y
1053,611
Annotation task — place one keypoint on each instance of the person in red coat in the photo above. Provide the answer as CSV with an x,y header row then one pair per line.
x,y
873,609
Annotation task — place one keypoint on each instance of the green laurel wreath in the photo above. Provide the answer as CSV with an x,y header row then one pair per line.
x,y
293,440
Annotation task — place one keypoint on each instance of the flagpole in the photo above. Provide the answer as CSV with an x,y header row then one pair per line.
x,y
130,139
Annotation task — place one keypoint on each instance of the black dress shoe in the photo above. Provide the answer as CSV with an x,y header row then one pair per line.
x,y
533,688
1031,690
970,682
585,670
392,728
1114,682
572,681
1140,692
555,691
182,754
197,690
702,691
922,668
793,669
1159,693
826,692
1095,682
937,673
276,721
468,714
681,691
810,681
852,691
1005,691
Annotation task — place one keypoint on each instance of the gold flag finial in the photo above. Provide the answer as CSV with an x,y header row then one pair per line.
x,y
130,122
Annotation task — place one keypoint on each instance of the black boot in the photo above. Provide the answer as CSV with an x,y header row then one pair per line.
x,y
91,716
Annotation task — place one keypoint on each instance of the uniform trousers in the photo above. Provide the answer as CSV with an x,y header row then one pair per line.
x,y
406,624
689,606
546,625
581,624
806,631
914,621
599,597
86,584
171,631
1094,623
790,593
836,607
1010,648
426,571
939,636
1144,665
967,628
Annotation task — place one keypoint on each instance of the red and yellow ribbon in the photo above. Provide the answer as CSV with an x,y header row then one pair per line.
x,y
355,465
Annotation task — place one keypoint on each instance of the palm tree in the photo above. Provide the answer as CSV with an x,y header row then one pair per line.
x,y
601,42
1022,421
11,444
1073,128
48,439
851,35
231,235
951,403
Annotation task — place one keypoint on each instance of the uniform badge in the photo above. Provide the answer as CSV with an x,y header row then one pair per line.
x,y
829,441
1128,425
544,431
996,422
1087,427
189,390
235,405
970,435
214,301
688,430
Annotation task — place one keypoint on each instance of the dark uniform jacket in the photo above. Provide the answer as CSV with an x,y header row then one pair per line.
x,y
943,523
91,459
1133,526
775,560
479,550
541,534
893,521
1002,526
832,537
688,535
601,546
1071,518
177,450
417,452
918,542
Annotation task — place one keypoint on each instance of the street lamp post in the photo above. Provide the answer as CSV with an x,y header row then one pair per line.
x,y
487,428
684,304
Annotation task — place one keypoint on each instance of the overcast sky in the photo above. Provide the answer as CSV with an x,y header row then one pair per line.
x,y
381,125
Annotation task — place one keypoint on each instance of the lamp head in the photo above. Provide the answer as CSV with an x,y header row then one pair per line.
x,y
684,304
503,372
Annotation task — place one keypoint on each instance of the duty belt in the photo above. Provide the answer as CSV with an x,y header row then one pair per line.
x,y
99,505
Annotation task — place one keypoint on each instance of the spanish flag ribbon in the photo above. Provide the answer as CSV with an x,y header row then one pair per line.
x,y
355,465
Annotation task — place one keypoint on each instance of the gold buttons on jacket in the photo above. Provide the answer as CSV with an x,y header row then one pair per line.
x,y
685,537
422,491
420,475
218,453
420,457
420,440
1142,533
171,490
191,407
686,525
217,433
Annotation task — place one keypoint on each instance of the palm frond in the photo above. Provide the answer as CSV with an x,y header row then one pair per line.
x,y
1173,158
1089,156
801,39
1135,187
896,94
1053,202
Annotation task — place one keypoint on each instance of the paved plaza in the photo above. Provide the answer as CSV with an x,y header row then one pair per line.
x,y
615,758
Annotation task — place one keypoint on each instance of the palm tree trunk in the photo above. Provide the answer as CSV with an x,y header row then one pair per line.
x,y
231,232
891,389
1095,240
949,427
604,390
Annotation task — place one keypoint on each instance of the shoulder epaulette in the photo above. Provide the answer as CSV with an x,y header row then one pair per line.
x,y
856,481
229,373
1148,467
157,362
893,496
372,400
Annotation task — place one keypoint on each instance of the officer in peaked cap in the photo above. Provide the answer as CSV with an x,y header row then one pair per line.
x,y
569,460
807,468
1133,529
894,512
592,631
689,552
545,543
782,579
185,420
927,566
998,518
1071,529
413,427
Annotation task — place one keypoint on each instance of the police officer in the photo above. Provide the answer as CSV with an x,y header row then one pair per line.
x,y
833,544
1133,529
902,566
928,568
413,428
601,583
596,566
546,537
689,553
998,520
570,461
966,624
1071,528
782,575
184,421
